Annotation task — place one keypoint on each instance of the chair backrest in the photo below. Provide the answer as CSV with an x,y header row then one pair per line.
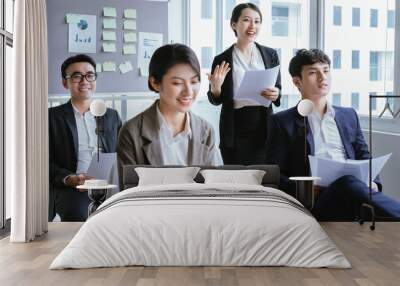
x,y
270,179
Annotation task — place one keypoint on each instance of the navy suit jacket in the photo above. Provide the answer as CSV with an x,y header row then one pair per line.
x,y
285,145
63,140
226,122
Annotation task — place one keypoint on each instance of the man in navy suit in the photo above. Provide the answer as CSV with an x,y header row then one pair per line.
x,y
332,132
73,140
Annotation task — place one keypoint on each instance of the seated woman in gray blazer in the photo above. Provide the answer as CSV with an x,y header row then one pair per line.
x,y
168,133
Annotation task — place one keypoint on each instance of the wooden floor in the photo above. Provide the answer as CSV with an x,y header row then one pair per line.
x,y
374,255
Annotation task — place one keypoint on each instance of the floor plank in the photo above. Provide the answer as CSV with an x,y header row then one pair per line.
x,y
374,255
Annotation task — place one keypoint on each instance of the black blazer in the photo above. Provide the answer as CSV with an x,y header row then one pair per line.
x,y
285,145
63,140
226,122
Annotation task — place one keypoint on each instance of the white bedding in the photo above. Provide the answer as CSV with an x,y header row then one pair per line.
x,y
181,231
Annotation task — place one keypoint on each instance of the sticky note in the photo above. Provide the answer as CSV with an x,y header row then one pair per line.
x,y
129,25
109,12
143,71
109,66
98,68
109,47
109,23
109,36
130,37
125,67
129,49
130,13
72,18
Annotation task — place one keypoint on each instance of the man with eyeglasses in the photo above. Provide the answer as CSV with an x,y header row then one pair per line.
x,y
73,139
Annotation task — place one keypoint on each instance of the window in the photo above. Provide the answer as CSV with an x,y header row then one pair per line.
x,y
255,2
373,66
9,12
336,99
287,29
202,36
229,5
206,9
355,59
373,101
362,57
391,19
381,66
206,57
6,66
295,51
279,52
390,101
337,59
337,15
355,100
2,126
280,21
373,22
356,17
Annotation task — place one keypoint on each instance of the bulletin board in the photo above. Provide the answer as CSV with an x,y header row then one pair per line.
x,y
149,17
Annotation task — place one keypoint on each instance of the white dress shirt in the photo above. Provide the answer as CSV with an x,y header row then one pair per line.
x,y
239,67
87,139
327,140
175,149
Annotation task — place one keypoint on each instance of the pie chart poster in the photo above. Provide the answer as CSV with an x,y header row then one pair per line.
x,y
82,35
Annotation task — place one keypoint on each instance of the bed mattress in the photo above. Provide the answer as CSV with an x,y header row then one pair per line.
x,y
201,225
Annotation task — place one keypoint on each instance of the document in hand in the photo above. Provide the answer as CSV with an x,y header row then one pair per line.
x,y
254,82
330,170
105,168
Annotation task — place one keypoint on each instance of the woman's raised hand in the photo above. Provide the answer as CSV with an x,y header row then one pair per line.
x,y
217,78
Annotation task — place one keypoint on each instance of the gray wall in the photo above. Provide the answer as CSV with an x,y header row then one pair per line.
x,y
384,143
151,17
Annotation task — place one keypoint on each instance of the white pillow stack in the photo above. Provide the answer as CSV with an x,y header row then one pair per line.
x,y
165,176
248,177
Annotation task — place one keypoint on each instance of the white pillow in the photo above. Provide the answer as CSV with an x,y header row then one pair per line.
x,y
249,177
164,176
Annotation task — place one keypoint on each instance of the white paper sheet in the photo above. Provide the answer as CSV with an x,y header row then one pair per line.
x,y
129,49
125,67
109,66
129,25
130,37
72,18
109,12
254,82
109,36
330,170
109,47
104,168
98,67
109,24
130,13
143,71
148,43
82,34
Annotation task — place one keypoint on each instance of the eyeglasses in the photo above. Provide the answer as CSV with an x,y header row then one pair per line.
x,y
78,77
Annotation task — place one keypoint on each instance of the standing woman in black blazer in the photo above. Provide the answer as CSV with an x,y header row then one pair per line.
x,y
243,123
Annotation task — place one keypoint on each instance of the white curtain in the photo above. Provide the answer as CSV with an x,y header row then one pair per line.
x,y
26,124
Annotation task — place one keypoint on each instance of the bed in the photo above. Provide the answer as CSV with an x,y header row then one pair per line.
x,y
201,224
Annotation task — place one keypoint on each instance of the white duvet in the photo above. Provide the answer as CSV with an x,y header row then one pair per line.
x,y
207,230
